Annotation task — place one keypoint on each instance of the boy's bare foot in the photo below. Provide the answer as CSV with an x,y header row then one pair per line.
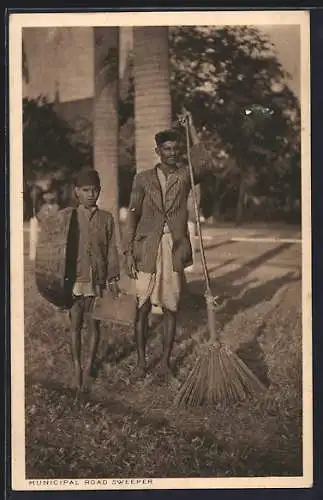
x,y
87,378
87,381
77,377
140,371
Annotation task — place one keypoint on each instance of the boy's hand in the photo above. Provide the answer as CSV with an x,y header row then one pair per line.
x,y
131,267
114,289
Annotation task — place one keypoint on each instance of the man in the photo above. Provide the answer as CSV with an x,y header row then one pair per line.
x,y
157,244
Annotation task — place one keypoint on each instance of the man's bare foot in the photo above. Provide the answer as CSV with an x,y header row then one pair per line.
x,y
88,377
77,377
164,372
140,371
89,370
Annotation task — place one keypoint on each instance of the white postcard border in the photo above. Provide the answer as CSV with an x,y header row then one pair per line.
x,y
16,23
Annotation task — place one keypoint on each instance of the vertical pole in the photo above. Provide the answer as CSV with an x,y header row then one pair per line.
x,y
106,123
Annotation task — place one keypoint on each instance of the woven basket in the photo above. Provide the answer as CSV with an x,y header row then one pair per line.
x,y
56,257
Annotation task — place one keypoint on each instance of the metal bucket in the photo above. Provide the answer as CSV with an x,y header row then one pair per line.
x,y
121,310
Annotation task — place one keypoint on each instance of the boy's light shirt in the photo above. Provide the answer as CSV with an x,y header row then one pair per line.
x,y
81,288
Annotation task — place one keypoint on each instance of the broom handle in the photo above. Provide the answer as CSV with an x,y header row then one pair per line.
x,y
196,210
209,297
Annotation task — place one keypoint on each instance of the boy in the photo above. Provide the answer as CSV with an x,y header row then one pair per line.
x,y
97,267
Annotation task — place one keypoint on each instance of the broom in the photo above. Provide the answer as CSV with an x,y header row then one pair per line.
x,y
219,375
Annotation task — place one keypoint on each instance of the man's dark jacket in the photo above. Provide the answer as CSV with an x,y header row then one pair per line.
x,y
147,214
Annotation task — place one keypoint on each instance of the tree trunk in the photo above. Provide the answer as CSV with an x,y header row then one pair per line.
x,y
153,111
105,113
152,91
241,201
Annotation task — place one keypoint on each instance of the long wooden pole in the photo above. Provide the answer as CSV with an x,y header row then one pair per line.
x,y
210,300
196,210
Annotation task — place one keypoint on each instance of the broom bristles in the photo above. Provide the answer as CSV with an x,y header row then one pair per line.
x,y
219,376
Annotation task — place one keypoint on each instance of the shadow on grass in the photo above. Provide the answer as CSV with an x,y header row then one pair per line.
x,y
216,245
219,266
192,316
193,309
241,272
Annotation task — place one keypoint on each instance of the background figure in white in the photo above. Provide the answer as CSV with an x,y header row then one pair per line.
x,y
49,206
35,194
192,222
33,236
44,204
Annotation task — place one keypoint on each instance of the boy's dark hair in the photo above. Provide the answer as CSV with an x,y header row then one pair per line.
x,y
87,177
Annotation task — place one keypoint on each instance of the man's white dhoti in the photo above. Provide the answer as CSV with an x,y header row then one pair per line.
x,y
163,287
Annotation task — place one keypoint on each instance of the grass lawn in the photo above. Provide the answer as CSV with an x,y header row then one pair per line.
x,y
126,429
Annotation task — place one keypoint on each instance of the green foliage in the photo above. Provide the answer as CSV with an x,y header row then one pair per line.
x,y
226,77
53,150
50,144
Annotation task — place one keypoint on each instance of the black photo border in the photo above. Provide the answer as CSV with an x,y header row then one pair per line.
x,y
316,42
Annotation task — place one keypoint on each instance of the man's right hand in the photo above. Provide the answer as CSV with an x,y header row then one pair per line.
x,y
185,117
131,266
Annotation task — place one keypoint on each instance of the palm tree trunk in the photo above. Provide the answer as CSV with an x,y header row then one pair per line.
x,y
153,110
152,91
105,123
